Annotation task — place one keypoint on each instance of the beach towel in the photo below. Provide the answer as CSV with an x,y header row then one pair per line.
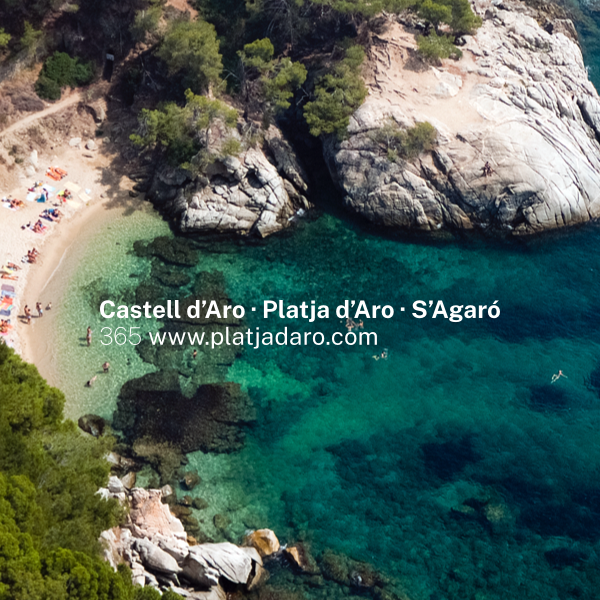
x,y
44,227
85,197
8,328
11,277
8,288
31,196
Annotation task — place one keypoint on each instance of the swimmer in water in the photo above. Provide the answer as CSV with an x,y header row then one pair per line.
x,y
557,376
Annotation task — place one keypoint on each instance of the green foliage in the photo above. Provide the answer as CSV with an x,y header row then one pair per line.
x,y
458,14
231,147
337,95
258,54
191,50
145,22
365,8
50,514
278,79
178,129
4,38
405,143
435,13
31,38
435,47
61,70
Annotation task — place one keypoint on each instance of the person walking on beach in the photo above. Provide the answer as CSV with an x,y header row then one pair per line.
x,y
27,312
106,367
88,336
38,307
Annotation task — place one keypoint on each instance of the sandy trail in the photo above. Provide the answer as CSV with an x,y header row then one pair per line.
x,y
73,98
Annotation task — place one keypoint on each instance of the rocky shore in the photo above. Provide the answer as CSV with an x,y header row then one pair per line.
x,y
258,192
518,130
154,544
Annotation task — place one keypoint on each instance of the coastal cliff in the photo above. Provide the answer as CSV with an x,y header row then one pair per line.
x,y
518,129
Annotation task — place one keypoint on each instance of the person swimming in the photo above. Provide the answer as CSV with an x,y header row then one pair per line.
x,y
557,376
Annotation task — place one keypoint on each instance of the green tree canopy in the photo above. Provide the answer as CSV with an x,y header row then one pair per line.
x,y
178,129
190,49
337,95
50,514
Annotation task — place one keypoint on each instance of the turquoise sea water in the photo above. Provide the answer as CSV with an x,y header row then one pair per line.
x,y
455,466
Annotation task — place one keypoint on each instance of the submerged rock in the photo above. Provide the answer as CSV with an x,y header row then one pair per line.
x,y
152,407
518,133
190,480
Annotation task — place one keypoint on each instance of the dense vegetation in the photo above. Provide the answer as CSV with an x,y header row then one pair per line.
x,y
183,131
50,514
59,71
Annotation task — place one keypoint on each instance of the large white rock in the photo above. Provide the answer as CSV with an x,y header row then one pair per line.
x,y
525,106
205,563
154,558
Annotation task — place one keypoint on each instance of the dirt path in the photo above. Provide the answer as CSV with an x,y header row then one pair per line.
x,y
73,98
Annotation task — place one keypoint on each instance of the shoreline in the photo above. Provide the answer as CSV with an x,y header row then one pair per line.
x,y
105,198
48,280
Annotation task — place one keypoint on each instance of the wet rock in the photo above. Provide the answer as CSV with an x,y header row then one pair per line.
x,y
300,556
221,522
264,540
190,480
185,501
200,503
176,251
92,424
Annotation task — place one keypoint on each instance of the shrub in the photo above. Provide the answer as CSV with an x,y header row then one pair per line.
x,y
47,88
277,79
407,143
190,49
50,514
4,38
337,95
31,38
435,47
61,70
458,14
145,22
179,129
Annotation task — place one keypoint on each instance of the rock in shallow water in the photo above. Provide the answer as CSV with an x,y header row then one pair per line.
x,y
153,407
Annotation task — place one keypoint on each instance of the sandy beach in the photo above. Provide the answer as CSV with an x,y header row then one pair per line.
x,y
101,196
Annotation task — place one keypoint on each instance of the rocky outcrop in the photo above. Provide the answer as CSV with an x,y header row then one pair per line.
x,y
154,544
518,126
257,192
264,540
